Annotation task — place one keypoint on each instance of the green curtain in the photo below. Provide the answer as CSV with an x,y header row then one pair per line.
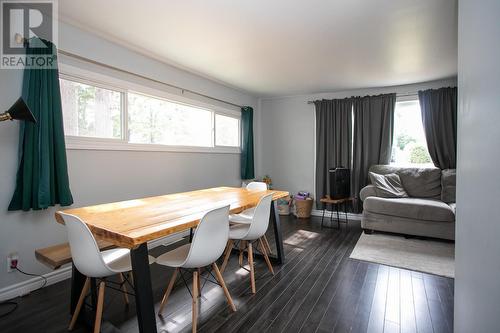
x,y
247,163
42,176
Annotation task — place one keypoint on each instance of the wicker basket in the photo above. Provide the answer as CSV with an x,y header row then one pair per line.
x,y
303,208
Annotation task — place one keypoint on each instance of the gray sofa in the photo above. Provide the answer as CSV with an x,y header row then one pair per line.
x,y
428,211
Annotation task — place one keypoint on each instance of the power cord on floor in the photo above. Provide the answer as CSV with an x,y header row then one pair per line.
x,y
36,275
13,304
13,308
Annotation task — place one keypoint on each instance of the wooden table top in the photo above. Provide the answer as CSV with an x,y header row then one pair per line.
x,y
134,222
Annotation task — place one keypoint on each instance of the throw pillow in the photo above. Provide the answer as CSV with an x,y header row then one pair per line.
x,y
388,186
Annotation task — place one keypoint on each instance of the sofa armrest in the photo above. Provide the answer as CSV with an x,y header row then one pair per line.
x,y
367,191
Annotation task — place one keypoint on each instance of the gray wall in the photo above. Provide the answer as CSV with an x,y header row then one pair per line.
x,y
477,276
104,176
287,138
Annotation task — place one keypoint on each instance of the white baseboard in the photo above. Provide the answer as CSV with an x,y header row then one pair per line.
x,y
25,287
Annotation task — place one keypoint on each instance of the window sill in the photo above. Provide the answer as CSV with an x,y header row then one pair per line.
x,y
79,143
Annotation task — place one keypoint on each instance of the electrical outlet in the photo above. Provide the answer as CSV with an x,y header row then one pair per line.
x,y
12,261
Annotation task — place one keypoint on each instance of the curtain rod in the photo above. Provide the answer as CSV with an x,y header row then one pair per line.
x,y
183,90
415,93
20,39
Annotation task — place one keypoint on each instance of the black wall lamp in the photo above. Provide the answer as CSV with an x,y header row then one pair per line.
x,y
18,111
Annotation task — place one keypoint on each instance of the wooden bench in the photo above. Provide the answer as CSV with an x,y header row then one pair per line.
x,y
57,255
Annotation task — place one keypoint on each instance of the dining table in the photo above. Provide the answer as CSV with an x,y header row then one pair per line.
x,y
133,223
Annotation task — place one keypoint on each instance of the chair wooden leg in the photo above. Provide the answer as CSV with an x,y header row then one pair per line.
x,y
199,282
168,291
84,292
195,300
266,243
100,305
266,258
219,277
124,289
226,255
242,249
250,263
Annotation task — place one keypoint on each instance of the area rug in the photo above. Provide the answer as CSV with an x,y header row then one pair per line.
x,y
428,256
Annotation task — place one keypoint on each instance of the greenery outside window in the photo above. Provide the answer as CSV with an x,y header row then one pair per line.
x,y
114,116
409,145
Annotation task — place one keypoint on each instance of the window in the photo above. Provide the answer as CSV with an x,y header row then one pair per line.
x,y
91,111
101,116
409,144
227,131
154,120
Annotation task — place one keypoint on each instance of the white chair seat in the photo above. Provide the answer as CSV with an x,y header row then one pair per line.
x,y
174,258
243,217
119,260
239,231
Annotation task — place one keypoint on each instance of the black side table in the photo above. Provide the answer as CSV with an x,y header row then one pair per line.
x,y
335,202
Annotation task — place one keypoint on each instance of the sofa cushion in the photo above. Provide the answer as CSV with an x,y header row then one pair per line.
x,y
414,208
418,182
388,186
448,185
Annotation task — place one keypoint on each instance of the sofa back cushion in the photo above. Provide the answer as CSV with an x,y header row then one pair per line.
x,y
448,185
418,182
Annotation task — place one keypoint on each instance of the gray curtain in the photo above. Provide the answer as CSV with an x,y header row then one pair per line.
x,y
439,116
333,140
373,132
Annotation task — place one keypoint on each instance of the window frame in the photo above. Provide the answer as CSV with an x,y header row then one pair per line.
x,y
84,76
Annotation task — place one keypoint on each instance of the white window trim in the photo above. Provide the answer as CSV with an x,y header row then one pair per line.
x,y
84,76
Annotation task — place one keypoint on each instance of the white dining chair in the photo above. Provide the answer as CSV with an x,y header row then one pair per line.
x,y
249,233
93,263
209,240
246,215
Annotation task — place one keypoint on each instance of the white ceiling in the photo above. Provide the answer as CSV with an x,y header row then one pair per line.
x,y
283,47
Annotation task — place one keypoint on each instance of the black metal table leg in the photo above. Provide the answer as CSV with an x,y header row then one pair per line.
x,y
190,235
93,293
278,237
143,290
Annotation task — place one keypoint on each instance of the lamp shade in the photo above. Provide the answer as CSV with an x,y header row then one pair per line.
x,y
21,111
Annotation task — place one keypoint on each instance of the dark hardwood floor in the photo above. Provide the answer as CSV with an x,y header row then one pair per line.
x,y
318,289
